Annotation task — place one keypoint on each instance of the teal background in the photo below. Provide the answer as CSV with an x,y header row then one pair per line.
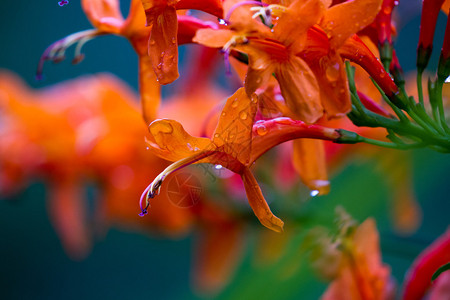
x,y
127,265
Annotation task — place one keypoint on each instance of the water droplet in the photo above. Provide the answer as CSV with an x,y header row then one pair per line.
x,y
314,193
161,127
254,99
387,10
447,80
159,67
382,75
218,167
147,148
152,42
243,115
224,114
283,120
261,129
189,146
174,40
162,54
222,22
235,103
216,135
332,72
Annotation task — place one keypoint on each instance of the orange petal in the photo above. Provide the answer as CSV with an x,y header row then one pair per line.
x,y
343,20
135,21
217,257
300,90
162,45
149,89
67,212
103,14
214,38
446,7
332,78
259,204
234,129
169,140
310,163
293,25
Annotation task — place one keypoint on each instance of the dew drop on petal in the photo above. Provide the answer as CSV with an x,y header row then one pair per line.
x,y
261,129
447,80
174,40
332,72
235,103
218,167
243,115
161,127
314,193
152,42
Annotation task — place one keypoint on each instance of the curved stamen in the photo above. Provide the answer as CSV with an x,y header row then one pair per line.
x,y
154,188
56,51
233,8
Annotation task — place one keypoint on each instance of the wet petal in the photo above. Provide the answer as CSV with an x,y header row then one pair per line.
x,y
234,129
300,90
332,78
135,21
162,45
169,139
103,14
149,89
259,204
293,25
345,19
309,161
215,38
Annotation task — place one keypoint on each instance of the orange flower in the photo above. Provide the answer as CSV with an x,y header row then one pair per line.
x,y
106,17
162,45
274,52
361,273
236,144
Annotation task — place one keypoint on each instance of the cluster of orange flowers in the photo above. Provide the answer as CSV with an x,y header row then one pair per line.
x,y
288,57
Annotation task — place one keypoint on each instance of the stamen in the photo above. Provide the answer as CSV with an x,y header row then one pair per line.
x,y
233,8
233,42
56,51
154,188
267,13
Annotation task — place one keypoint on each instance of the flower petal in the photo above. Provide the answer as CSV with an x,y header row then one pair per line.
x,y
309,161
162,45
234,130
169,140
300,90
259,204
149,89
332,78
214,38
103,14
345,19
213,7
293,25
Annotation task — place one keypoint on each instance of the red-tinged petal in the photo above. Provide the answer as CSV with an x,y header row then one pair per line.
x,y
162,45
234,130
259,204
373,106
104,14
213,7
430,11
217,256
418,278
308,157
441,288
214,38
383,22
300,89
268,134
149,89
68,214
188,27
332,78
293,25
317,44
343,20
356,51
446,7
169,139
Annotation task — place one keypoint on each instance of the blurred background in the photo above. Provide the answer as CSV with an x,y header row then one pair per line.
x,y
125,264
